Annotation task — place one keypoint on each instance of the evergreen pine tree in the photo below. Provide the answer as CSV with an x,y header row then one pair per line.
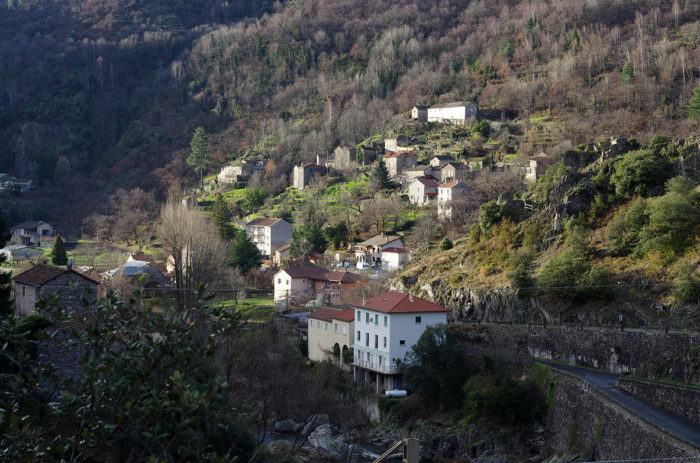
x,y
58,253
380,175
5,277
694,103
627,74
221,215
200,152
244,254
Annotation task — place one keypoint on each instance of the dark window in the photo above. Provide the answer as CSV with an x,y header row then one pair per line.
x,y
402,342
418,319
359,336
367,339
376,341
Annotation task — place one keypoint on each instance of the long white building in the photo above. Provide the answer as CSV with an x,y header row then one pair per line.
x,y
386,327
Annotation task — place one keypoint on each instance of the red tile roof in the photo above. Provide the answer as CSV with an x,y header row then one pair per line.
x,y
452,184
429,182
41,274
321,274
399,250
328,313
396,302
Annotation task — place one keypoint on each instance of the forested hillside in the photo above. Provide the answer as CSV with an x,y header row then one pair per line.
x,y
102,95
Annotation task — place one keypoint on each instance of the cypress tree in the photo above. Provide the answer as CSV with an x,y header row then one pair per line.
x,y
627,74
58,253
380,175
200,151
221,215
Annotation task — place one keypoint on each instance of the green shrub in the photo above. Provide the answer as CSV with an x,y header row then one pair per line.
x,y
385,404
598,281
504,399
687,289
638,173
445,244
559,276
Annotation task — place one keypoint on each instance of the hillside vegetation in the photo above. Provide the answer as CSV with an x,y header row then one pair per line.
x,y
102,95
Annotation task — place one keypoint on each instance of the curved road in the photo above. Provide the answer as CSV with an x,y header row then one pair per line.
x,y
673,424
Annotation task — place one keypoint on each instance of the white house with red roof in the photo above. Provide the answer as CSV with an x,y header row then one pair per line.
x,y
423,191
269,234
386,327
394,257
330,334
447,193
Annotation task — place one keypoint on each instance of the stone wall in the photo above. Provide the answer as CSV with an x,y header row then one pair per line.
x,y
650,353
585,420
683,400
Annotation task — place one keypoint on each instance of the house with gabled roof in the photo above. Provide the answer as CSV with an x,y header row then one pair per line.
x,y
41,280
32,232
423,191
269,234
449,192
386,327
301,284
330,334
419,113
304,173
409,174
394,258
440,160
452,113
370,251
397,162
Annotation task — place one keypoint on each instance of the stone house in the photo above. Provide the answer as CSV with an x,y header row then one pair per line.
x,y
304,173
477,164
448,192
280,254
409,174
241,171
344,158
452,113
419,113
440,160
269,234
528,168
397,162
400,144
452,171
300,284
422,191
330,330
32,232
41,280
386,327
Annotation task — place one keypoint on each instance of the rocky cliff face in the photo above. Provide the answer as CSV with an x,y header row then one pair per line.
x,y
467,304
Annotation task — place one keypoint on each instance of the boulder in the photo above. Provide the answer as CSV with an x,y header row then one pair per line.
x,y
280,447
314,422
286,426
324,442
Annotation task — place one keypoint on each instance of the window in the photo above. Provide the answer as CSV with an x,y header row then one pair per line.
x,y
318,325
336,328
402,342
359,316
376,320
279,281
380,360
23,289
386,320
384,341
326,326
366,317
367,339
418,319
359,336
376,341
287,281
345,330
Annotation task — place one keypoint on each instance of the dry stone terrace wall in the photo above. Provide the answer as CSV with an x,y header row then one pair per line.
x,y
583,419
682,400
649,353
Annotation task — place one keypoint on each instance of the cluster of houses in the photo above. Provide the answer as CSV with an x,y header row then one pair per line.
x,y
10,183
379,332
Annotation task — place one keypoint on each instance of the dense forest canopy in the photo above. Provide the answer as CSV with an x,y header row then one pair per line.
x,y
103,95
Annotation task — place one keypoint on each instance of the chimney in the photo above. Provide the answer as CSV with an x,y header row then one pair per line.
x,y
410,297
364,301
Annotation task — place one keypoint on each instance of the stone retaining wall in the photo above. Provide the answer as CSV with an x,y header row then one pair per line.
x,y
583,419
683,400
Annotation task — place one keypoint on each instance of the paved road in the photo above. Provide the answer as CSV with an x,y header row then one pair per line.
x,y
675,425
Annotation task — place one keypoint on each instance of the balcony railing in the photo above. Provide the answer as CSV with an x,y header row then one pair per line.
x,y
375,366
